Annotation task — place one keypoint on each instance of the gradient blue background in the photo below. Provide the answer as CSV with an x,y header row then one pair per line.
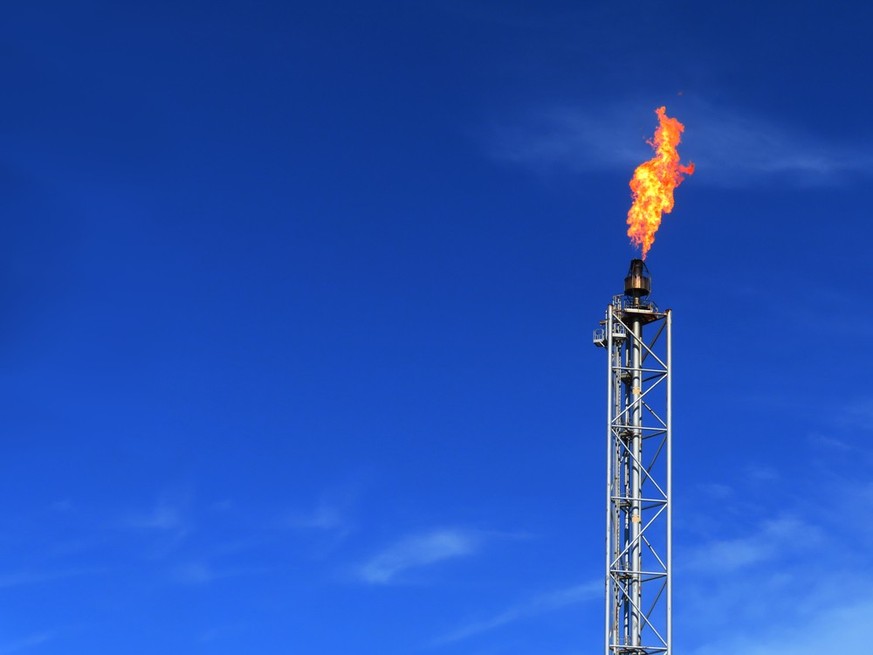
x,y
296,305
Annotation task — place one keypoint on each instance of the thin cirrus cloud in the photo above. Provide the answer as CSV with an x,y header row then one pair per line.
x,y
27,578
772,539
25,643
537,605
730,148
325,518
201,573
166,525
417,551
162,517
838,624
795,583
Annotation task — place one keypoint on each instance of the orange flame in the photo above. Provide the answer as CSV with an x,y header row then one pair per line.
x,y
654,181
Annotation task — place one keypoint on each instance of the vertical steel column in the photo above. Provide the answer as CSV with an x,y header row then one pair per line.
x,y
669,466
606,340
633,391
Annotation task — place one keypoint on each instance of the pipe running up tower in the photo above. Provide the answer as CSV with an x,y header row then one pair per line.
x,y
637,337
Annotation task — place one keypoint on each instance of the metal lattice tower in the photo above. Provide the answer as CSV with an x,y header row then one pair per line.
x,y
638,342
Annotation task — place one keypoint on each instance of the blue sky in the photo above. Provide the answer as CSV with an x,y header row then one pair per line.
x,y
297,310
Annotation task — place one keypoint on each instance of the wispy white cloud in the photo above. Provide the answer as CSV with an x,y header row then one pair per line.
x,y
166,525
843,627
332,519
772,539
729,146
26,643
195,573
758,473
220,632
162,517
569,137
201,573
857,416
843,434
323,529
29,577
419,550
796,581
716,490
540,604
831,444
62,506
812,563
324,517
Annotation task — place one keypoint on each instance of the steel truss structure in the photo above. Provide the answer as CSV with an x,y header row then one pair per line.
x,y
638,341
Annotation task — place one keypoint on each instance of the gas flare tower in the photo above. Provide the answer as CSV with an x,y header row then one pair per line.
x,y
637,337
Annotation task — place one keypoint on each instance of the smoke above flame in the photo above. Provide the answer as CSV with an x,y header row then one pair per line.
x,y
654,181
